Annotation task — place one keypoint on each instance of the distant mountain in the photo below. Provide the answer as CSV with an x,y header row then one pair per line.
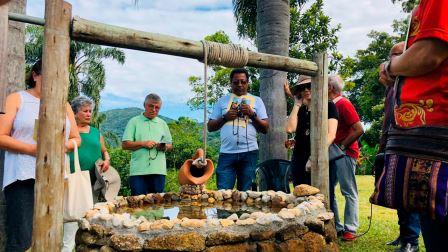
x,y
116,119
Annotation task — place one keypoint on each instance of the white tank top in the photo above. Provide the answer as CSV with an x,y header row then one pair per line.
x,y
21,166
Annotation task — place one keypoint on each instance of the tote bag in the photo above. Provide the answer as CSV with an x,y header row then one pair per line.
x,y
334,152
78,194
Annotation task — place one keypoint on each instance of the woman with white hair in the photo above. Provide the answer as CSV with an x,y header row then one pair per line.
x,y
92,149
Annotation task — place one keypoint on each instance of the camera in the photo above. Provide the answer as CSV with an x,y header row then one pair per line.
x,y
238,106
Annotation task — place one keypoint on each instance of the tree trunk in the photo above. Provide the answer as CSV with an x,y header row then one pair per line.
x,y
273,22
15,70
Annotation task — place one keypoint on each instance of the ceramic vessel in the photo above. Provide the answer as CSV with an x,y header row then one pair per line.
x,y
190,174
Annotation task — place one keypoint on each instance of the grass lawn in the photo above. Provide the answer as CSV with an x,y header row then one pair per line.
x,y
384,221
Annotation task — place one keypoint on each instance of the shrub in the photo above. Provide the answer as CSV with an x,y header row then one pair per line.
x,y
366,159
120,160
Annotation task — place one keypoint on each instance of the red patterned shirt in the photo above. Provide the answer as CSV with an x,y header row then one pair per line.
x,y
424,99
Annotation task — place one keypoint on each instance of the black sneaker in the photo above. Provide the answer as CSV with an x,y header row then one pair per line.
x,y
340,233
408,248
395,242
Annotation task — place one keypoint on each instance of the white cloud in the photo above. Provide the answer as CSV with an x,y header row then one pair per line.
x,y
193,19
358,18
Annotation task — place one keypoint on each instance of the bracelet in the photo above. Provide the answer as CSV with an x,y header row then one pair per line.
x,y
254,116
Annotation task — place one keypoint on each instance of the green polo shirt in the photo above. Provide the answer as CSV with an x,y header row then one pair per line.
x,y
147,161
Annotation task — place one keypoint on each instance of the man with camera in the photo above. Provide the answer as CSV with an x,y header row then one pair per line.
x,y
238,116
148,137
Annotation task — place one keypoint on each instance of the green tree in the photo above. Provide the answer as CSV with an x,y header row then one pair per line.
x,y
310,28
187,138
407,5
310,32
87,72
361,73
218,83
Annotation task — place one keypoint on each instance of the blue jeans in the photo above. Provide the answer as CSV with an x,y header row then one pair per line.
x,y
236,166
343,171
435,233
144,184
409,227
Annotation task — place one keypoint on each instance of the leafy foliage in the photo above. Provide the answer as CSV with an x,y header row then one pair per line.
x,y
218,83
366,159
311,32
361,73
120,160
187,138
407,5
87,72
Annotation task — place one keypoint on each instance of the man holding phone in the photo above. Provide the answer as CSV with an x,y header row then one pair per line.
x,y
148,137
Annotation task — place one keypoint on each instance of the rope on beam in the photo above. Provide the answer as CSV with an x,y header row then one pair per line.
x,y
229,55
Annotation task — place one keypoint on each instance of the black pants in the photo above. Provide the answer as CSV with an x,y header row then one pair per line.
x,y
19,215
298,172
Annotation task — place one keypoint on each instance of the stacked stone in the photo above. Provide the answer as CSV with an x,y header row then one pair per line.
x,y
303,225
192,189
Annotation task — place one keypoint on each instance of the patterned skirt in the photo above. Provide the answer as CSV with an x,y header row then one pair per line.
x,y
413,184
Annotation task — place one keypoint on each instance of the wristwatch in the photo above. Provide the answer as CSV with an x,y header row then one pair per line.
x,y
224,119
254,115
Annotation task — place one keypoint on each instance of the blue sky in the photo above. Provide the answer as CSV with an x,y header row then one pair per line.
x,y
143,73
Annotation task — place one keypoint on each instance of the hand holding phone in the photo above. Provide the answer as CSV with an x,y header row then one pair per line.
x,y
161,147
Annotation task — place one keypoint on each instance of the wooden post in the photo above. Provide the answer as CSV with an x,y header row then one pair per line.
x,y
3,54
49,188
3,92
103,34
319,126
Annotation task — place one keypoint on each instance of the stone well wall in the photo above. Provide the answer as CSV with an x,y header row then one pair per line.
x,y
303,224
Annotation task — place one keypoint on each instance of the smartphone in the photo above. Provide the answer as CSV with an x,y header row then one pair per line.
x,y
161,146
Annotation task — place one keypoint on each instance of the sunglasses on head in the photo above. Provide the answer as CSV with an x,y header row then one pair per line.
x,y
302,87
236,82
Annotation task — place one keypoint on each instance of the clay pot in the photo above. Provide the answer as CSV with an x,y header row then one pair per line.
x,y
190,174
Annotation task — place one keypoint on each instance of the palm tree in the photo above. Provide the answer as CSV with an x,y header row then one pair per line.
x,y
272,22
87,72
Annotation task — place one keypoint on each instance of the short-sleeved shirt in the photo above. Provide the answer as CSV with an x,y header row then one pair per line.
x,y
302,148
147,161
347,117
239,135
423,100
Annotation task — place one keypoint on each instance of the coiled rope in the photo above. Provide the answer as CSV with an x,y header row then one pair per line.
x,y
229,55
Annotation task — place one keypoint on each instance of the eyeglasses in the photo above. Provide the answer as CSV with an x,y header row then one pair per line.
x,y
154,107
236,82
